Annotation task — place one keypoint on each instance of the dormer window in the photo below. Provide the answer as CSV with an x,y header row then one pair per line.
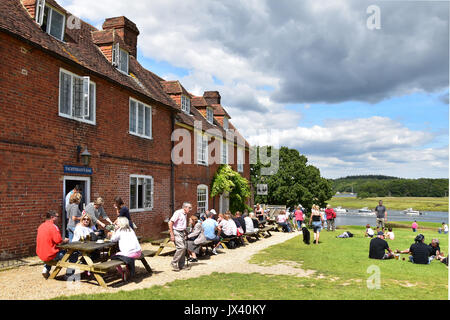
x,y
120,58
51,21
209,115
185,104
225,123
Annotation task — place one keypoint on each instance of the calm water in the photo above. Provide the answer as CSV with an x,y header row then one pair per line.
x,y
353,218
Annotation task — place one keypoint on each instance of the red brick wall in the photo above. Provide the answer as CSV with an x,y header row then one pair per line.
x,y
35,144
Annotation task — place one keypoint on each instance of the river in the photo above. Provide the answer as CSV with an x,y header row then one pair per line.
x,y
353,217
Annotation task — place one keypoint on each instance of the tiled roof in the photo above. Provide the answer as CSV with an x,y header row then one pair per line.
x,y
219,110
79,48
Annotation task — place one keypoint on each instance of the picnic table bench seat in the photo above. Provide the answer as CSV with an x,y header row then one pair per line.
x,y
254,234
265,232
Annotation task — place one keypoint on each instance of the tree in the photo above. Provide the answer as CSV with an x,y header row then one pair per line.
x,y
228,180
295,182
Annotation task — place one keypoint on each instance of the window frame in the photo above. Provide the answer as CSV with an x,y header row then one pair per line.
x,y
92,106
210,115
40,20
224,160
225,121
185,102
240,164
137,119
152,192
203,142
117,60
204,188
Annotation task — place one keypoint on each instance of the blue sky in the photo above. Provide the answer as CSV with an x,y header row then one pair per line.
x,y
353,99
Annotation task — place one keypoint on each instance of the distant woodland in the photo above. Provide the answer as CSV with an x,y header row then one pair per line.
x,y
384,186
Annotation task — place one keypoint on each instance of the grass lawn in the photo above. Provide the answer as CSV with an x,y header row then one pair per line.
x,y
342,273
393,203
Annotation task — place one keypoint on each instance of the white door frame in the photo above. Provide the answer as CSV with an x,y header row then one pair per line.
x,y
87,193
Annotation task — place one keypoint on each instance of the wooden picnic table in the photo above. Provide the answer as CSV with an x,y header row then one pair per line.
x,y
97,269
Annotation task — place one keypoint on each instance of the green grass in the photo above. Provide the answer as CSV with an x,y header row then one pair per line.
x,y
341,273
393,203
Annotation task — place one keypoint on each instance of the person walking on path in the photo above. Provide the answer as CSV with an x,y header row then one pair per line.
x,y
299,218
316,220
331,215
381,213
177,230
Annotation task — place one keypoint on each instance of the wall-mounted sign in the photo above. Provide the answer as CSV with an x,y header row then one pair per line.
x,y
262,189
77,170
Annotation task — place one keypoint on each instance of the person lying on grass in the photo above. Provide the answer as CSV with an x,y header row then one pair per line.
x,y
420,253
378,246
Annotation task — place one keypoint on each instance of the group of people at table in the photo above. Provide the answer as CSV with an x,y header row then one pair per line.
x,y
87,224
419,252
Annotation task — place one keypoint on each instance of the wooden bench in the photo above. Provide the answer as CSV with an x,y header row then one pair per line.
x,y
224,242
162,243
265,232
103,267
254,234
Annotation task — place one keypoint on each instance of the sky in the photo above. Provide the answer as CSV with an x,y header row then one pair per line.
x,y
357,89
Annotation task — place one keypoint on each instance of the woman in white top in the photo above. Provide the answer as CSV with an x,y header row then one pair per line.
x,y
83,229
128,245
229,228
249,227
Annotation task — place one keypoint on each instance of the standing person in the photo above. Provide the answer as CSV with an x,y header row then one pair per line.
x,y
316,220
259,212
48,237
76,189
122,211
331,215
377,247
129,247
381,213
299,218
73,213
95,210
414,226
177,230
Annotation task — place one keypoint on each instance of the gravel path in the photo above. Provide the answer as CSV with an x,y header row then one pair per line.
x,y
27,283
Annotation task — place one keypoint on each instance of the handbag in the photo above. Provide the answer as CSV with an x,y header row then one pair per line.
x,y
240,231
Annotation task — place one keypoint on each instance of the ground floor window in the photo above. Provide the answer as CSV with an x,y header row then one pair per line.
x,y
202,198
141,193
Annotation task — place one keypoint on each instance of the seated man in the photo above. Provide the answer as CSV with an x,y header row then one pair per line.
x,y
48,236
419,252
435,250
210,227
377,247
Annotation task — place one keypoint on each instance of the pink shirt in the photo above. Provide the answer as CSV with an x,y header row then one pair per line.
x,y
298,215
414,225
179,220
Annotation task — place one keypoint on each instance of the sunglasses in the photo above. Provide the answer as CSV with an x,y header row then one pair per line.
x,y
86,219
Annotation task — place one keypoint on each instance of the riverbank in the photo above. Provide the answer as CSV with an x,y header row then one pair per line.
x,y
393,203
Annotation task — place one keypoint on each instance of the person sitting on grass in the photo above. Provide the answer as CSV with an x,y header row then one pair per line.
x,y
128,245
369,232
390,234
444,228
436,252
378,246
419,252
283,221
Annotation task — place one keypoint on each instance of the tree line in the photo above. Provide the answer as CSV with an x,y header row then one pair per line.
x,y
385,186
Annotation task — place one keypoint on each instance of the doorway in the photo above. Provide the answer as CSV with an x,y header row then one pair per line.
x,y
68,185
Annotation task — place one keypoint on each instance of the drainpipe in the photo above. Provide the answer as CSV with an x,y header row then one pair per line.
x,y
172,171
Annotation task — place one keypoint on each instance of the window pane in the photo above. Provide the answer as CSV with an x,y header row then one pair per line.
x,y
77,100
133,193
56,26
45,20
147,122
91,102
140,193
140,118
148,193
123,61
132,116
65,84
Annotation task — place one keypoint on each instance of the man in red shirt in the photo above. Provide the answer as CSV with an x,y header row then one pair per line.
x,y
331,215
48,236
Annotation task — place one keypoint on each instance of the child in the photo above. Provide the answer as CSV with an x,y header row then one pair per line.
x,y
369,232
128,245
390,234
414,226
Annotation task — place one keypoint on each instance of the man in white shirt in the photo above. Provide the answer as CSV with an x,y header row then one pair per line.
x,y
177,230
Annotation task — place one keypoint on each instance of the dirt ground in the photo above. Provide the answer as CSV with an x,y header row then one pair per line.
x,y
27,283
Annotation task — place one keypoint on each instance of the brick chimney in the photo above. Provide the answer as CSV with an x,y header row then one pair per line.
x,y
126,29
212,97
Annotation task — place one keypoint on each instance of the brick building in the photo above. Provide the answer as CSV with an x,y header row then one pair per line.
x,y
68,89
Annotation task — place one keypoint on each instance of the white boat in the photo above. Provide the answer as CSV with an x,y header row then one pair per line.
x,y
365,209
340,210
412,212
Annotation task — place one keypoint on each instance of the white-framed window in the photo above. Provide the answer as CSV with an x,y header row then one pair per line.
x,y
224,153
120,58
225,123
140,119
210,115
51,21
202,149
141,193
240,160
202,198
185,104
76,97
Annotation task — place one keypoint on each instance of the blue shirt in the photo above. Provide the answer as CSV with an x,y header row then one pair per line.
x,y
209,226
